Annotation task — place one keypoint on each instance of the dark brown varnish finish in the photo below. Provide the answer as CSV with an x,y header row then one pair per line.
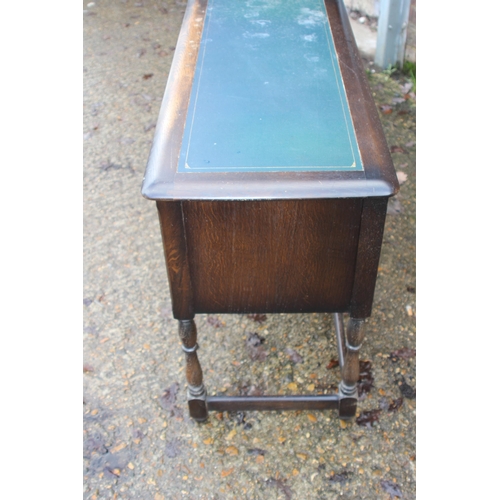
x,y
174,248
262,403
369,247
271,242
272,256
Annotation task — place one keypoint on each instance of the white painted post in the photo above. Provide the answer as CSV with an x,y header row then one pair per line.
x,y
391,35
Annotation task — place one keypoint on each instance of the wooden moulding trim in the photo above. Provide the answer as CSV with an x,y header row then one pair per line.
x,y
164,154
371,139
209,188
270,403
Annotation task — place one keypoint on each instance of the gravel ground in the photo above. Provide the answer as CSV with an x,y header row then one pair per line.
x,y
138,439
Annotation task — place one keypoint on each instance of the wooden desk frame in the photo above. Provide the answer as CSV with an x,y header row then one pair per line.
x,y
352,203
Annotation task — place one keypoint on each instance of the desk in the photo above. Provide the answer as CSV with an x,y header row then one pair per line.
x,y
271,176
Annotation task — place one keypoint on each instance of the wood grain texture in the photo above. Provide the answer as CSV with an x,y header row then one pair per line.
x,y
194,375
272,256
188,336
370,245
175,250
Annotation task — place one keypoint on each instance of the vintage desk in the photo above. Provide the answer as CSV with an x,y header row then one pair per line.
x,y
271,176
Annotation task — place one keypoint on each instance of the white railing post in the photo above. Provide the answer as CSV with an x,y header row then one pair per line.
x,y
391,36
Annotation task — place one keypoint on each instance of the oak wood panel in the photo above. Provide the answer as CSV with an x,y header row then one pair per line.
x,y
174,248
370,245
272,256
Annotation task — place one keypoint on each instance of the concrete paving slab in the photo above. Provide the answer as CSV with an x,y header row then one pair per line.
x,y
366,38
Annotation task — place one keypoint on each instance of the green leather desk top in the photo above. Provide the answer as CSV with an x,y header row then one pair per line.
x,y
267,94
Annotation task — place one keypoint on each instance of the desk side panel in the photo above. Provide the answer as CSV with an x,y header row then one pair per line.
x,y
272,256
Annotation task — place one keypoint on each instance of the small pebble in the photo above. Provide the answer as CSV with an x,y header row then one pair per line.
x,y
227,472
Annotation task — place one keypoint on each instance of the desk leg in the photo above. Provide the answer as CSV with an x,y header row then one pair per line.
x,y
350,371
197,395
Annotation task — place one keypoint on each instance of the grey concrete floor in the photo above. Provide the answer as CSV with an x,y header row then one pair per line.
x,y
138,440
365,35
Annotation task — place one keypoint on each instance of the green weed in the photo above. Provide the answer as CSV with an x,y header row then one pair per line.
x,y
410,69
390,70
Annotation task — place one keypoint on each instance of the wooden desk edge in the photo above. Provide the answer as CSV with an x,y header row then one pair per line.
x,y
259,190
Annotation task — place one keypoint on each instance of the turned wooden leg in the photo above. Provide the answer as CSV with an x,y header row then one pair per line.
x,y
350,371
197,395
